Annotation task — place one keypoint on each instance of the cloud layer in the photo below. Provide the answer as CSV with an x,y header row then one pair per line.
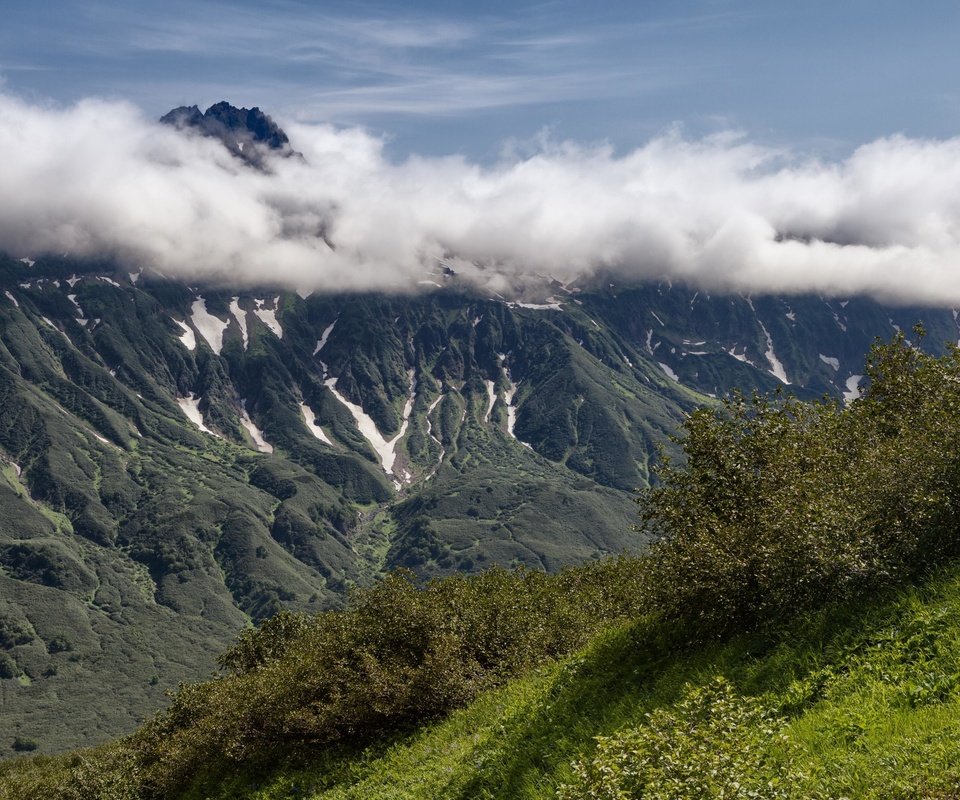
x,y
98,178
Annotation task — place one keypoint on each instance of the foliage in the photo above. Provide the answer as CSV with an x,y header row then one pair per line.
x,y
780,505
398,655
712,744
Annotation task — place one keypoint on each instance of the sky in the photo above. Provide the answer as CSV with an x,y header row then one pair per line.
x,y
438,77
747,146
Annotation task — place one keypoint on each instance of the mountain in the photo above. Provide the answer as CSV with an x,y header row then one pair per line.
x,y
178,460
796,635
245,132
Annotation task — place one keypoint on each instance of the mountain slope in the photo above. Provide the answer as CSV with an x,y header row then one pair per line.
x,y
134,544
179,460
769,647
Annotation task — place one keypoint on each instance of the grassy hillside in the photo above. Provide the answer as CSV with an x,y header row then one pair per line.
x,y
857,703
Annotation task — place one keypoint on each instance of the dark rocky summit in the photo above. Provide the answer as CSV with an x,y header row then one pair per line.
x,y
248,133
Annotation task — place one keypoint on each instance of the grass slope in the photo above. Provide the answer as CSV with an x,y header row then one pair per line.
x,y
870,698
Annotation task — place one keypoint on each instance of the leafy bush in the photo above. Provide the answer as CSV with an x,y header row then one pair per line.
x,y
712,744
23,744
106,773
782,505
400,654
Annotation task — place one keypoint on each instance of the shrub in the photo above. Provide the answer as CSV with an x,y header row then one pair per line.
x,y
399,654
8,667
24,745
713,744
782,505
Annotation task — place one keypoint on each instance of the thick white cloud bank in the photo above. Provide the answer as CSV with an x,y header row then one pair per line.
x,y
98,178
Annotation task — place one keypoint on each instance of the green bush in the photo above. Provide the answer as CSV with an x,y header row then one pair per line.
x,y
781,505
399,654
8,667
713,744
24,745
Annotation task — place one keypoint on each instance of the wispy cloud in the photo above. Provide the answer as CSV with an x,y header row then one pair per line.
x,y
350,66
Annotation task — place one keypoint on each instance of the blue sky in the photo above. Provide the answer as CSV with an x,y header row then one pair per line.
x,y
472,78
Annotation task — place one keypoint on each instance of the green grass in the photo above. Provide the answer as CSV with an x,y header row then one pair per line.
x,y
871,700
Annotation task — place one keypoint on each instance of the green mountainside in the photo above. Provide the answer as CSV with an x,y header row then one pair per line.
x,y
135,544
794,634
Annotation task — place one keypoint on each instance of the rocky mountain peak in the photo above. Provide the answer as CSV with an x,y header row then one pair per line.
x,y
245,132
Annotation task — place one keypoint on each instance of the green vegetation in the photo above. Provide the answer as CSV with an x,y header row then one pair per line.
x,y
148,544
765,647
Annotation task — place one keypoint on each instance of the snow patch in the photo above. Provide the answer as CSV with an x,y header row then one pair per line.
x,y
255,433
669,372
268,316
322,341
188,338
740,356
211,328
190,406
73,299
776,368
72,280
833,362
511,408
12,299
443,450
134,277
552,304
241,317
111,281
491,399
853,388
311,423
656,317
791,315
64,335
28,261
387,450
